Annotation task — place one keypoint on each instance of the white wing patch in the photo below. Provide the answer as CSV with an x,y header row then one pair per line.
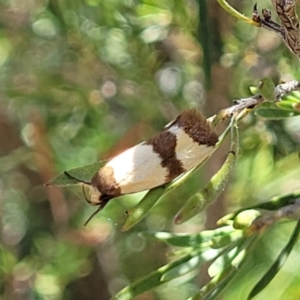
x,y
138,169
189,152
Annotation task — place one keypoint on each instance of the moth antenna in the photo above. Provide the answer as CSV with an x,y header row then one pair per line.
x,y
76,179
105,199
93,215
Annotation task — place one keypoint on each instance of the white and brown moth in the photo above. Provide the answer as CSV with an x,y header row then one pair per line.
x,y
182,145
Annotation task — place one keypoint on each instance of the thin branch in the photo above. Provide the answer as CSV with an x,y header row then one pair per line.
x,y
285,88
289,22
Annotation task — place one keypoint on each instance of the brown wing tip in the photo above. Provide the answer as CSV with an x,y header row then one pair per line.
x,y
195,124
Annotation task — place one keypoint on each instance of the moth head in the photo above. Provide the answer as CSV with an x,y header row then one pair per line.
x,y
95,196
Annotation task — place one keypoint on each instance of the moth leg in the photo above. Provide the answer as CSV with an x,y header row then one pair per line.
x,y
103,201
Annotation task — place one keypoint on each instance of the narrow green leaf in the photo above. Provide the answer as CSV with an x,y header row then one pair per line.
x,y
224,240
276,266
84,173
238,247
156,278
293,97
217,287
203,238
279,201
183,269
287,104
275,114
220,281
246,218
296,94
254,90
274,204
143,207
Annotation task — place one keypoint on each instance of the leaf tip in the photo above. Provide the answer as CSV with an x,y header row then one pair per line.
x,y
178,219
125,227
251,295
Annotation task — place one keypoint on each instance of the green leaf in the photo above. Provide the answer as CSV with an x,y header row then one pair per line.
x,y
203,238
160,276
184,269
254,90
84,173
267,89
246,218
293,97
220,281
275,114
289,104
7,262
279,201
143,207
236,249
276,266
274,204
224,240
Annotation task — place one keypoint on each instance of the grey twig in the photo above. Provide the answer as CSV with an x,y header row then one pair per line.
x,y
286,88
243,104
269,217
289,22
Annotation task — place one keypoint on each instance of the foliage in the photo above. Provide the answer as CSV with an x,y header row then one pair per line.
x,y
83,80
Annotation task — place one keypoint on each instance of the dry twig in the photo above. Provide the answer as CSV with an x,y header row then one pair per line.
x,y
289,22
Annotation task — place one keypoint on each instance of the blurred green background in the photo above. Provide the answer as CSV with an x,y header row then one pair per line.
x,y
81,81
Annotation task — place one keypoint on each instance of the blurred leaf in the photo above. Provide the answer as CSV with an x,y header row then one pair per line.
x,y
7,262
228,269
274,204
245,218
156,278
203,238
222,283
288,102
275,114
266,88
231,256
181,270
226,239
278,263
142,209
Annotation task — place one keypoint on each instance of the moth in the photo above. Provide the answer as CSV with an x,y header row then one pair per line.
x,y
182,145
